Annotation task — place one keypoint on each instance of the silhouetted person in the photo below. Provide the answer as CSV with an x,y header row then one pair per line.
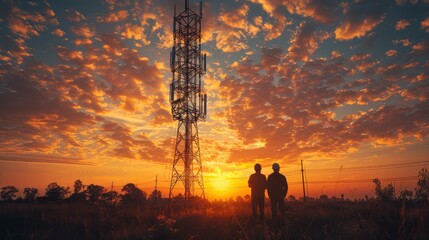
x,y
257,182
277,189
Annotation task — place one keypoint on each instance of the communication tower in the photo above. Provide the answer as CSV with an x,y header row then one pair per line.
x,y
188,102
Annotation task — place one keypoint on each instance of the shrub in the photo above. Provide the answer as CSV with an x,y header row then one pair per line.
x,y
8,193
385,194
422,189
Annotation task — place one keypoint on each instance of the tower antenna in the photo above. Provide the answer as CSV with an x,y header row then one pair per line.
x,y
188,102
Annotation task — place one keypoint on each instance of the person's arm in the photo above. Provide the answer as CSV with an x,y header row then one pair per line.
x,y
286,187
269,186
250,182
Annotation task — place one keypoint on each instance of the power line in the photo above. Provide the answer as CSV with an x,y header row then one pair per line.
x,y
395,179
373,167
338,178
408,178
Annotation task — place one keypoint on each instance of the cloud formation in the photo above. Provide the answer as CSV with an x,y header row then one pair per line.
x,y
321,11
74,16
118,16
61,108
30,158
285,79
238,19
297,114
391,52
360,18
402,24
425,24
305,42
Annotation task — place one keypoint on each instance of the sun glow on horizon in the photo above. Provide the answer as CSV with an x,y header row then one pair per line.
x,y
219,184
220,187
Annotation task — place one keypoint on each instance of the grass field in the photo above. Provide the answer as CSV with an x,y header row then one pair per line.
x,y
222,220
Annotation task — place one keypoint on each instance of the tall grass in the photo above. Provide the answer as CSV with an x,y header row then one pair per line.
x,y
312,220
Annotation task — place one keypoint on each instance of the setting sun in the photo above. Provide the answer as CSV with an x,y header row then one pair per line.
x,y
220,187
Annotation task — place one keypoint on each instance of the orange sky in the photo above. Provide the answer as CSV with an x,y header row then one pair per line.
x,y
84,93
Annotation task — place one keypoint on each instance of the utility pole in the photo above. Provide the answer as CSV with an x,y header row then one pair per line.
x,y
111,193
156,182
156,194
188,102
302,174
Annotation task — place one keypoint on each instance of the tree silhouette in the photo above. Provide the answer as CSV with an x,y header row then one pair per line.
x,y
30,194
109,197
291,198
56,192
78,191
179,196
239,199
8,193
324,197
132,195
422,189
247,197
94,192
155,199
155,195
385,194
78,186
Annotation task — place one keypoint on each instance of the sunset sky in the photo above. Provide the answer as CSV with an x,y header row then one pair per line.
x,y
341,85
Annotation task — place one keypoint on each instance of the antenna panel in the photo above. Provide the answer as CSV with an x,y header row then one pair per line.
x,y
205,104
172,92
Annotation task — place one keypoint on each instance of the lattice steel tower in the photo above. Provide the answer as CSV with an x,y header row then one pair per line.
x,y
188,103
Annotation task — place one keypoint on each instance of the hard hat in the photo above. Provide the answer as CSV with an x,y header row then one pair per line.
x,y
258,167
276,166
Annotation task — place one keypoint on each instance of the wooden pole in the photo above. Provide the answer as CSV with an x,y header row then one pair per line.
x,y
302,174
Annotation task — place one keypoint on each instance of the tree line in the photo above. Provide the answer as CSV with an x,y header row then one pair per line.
x,y
132,195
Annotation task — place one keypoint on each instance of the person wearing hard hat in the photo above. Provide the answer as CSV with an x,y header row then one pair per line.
x,y
257,182
277,189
